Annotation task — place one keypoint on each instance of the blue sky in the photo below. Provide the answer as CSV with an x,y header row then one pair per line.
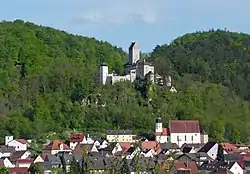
x,y
150,22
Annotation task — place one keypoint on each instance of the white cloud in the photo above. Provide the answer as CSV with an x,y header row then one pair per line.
x,y
118,12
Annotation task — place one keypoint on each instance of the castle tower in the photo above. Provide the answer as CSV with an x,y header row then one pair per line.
x,y
134,53
104,71
168,81
158,125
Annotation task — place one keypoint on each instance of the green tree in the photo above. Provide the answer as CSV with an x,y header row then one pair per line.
x,y
4,170
74,166
220,154
125,166
35,169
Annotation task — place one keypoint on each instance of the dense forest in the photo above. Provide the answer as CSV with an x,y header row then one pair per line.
x,y
48,84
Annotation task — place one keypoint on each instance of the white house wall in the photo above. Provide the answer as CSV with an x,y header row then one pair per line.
x,y
162,139
189,138
17,145
236,169
213,151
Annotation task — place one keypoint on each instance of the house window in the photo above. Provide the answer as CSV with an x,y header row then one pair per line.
x,y
192,138
185,137
178,138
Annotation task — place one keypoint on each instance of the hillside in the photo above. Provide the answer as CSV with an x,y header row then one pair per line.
x,y
46,77
220,57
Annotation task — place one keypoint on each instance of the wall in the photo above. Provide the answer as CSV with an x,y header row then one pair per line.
x,y
134,54
162,139
182,140
120,138
204,138
103,74
236,169
213,151
17,145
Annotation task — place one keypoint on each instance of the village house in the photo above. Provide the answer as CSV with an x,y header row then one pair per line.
x,y
18,144
55,147
120,136
75,139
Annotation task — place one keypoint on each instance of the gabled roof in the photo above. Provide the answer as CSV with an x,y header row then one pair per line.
x,y
76,138
125,145
184,126
23,141
200,156
80,147
215,165
55,145
16,155
187,165
8,149
24,161
18,170
207,147
167,146
228,147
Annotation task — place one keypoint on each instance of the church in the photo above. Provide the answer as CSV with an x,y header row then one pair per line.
x,y
180,132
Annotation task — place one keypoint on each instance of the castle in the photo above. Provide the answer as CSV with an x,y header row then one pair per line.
x,y
134,68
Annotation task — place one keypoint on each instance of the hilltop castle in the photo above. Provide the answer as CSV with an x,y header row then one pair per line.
x,y
134,68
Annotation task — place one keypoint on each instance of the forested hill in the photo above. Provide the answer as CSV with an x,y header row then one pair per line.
x,y
46,77
220,57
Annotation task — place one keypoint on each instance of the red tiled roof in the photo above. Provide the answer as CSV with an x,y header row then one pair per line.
x,y
187,165
55,145
19,170
76,138
23,141
148,144
165,132
151,145
228,147
43,156
125,145
246,158
184,126
24,161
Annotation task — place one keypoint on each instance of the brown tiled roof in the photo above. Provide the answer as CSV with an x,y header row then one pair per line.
x,y
80,147
151,145
55,145
184,126
76,138
20,170
187,165
228,147
24,161
16,155
125,145
23,141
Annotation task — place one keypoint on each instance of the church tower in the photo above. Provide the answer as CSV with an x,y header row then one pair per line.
x,y
134,53
158,125
104,71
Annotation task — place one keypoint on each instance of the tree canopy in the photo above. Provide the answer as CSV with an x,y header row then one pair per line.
x,y
48,84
